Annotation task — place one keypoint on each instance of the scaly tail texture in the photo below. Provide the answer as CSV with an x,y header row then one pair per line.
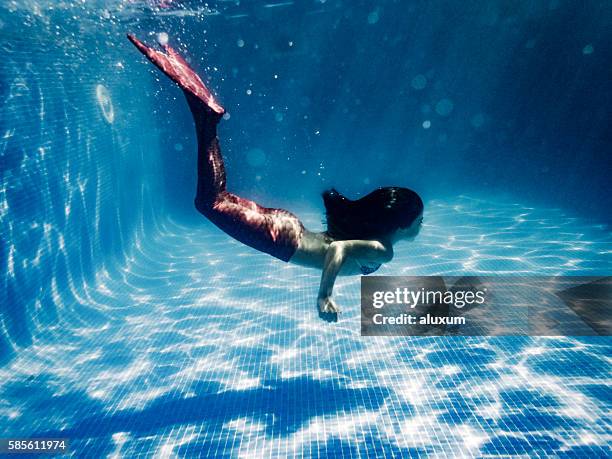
x,y
273,231
179,71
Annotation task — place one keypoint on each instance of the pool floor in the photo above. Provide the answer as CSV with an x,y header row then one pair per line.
x,y
199,346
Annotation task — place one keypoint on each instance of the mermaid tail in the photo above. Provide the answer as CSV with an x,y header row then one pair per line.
x,y
273,231
179,71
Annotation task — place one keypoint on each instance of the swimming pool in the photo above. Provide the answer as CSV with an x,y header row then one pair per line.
x,y
135,328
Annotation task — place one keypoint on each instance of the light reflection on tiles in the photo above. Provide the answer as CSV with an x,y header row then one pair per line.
x,y
195,349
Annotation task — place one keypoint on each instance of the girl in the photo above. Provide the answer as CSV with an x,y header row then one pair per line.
x,y
360,234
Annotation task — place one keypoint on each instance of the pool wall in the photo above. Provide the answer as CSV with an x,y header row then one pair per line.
x,y
80,175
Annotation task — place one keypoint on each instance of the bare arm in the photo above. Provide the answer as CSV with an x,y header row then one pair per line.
x,y
337,253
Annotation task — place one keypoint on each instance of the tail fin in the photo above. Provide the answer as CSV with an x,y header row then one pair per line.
x,y
179,71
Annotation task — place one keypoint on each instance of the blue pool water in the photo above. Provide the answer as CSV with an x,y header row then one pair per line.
x,y
134,327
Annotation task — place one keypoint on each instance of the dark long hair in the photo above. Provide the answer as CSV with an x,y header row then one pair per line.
x,y
376,215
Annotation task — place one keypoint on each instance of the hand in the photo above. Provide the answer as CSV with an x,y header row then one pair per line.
x,y
327,305
328,310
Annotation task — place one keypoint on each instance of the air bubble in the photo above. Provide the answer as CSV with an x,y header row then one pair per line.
x,y
373,17
426,124
256,157
419,82
444,107
478,120
162,38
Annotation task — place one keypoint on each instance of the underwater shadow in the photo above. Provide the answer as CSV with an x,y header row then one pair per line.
x,y
283,407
